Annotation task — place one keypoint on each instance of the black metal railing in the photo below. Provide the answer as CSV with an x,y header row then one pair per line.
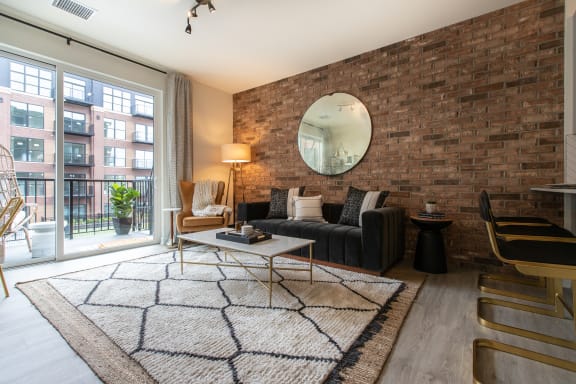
x,y
88,210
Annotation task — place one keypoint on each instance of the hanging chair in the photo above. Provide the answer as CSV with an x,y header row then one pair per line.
x,y
11,202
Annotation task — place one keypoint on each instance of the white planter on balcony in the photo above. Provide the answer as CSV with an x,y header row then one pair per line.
x,y
43,236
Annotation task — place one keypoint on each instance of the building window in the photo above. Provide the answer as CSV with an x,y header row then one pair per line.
x,y
144,133
27,149
75,153
78,183
30,79
74,122
114,157
143,160
74,88
26,115
116,100
115,129
143,105
31,187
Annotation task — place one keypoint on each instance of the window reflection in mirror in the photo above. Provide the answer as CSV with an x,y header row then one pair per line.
x,y
334,134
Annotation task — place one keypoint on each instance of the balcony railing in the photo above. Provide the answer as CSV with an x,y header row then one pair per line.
x,y
88,212
78,159
79,129
141,137
80,188
142,164
143,110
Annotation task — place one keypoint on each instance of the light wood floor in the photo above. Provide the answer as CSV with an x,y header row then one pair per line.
x,y
434,345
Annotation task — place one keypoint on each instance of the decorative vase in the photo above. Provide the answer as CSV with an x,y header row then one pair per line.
x,y
431,208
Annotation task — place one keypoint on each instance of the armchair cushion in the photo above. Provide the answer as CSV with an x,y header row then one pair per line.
x,y
197,221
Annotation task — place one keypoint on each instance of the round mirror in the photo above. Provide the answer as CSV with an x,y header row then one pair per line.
x,y
334,134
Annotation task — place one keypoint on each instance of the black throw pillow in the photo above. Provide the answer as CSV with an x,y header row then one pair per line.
x,y
352,209
279,202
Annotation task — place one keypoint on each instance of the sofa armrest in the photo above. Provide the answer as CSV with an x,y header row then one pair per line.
x,y
253,211
382,237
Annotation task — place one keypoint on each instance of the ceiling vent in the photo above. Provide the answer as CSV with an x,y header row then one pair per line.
x,y
74,8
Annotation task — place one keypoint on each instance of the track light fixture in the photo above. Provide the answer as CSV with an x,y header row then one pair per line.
x,y
193,12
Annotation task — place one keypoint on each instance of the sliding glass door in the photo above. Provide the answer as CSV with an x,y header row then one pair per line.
x,y
108,139
73,136
27,112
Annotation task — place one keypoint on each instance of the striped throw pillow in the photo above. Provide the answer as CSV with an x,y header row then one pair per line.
x,y
308,208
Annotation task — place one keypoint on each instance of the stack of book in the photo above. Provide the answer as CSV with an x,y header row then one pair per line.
x,y
433,215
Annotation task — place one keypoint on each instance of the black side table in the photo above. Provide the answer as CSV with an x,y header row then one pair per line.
x,y
430,256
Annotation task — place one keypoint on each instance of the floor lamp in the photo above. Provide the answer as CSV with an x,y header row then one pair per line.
x,y
235,154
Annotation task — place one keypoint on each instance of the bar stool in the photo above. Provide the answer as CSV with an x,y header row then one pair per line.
x,y
549,258
510,228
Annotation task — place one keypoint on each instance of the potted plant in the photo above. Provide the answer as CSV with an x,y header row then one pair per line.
x,y
122,199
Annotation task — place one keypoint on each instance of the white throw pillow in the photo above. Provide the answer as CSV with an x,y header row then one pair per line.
x,y
308,208
370,201
292,193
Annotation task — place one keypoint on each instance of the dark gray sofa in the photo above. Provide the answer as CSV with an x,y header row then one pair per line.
x,y
375,246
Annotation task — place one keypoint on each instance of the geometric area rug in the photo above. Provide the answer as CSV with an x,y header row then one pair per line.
x,y
142,321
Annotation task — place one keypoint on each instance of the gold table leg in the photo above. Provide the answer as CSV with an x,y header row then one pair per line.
x,y
181,256
270,269
310,263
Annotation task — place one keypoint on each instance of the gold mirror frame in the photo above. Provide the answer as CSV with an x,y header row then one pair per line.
x,y
334,134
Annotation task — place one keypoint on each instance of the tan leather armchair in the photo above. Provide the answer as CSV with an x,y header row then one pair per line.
x,y
186,222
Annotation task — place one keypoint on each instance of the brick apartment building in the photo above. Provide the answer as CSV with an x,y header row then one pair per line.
x,y
108,135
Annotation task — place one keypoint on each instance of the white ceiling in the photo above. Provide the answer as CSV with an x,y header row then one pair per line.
x,y
247,43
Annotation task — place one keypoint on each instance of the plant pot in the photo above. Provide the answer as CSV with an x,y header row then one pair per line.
x,y
122,225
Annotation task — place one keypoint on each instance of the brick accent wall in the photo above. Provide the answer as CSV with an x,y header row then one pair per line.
x,y
475,105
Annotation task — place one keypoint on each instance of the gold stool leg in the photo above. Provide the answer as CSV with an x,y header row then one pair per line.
x,y
510,349
523,281
558,312
4,282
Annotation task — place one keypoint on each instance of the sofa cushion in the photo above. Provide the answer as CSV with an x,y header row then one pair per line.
x,y
358,201
281,202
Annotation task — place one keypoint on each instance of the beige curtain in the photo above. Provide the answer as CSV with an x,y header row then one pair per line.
x,y
179,133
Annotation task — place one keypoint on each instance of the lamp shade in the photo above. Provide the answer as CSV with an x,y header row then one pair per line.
x,y
236,153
